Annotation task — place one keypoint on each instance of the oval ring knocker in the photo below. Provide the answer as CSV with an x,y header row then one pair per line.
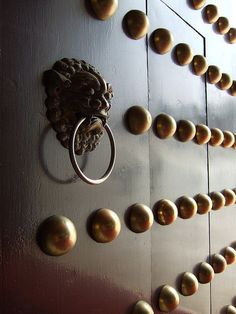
x,y
73,155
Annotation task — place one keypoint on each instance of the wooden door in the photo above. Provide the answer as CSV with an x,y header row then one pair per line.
x,y
38,180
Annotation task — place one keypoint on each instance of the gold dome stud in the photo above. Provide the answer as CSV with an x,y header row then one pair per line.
x,y
183,53
166,212
189,284
233,89
162,40
218,200
230,197
213,74
104,9
205,273
203,134
136,23
210,13
142,307
231,35
229,139
168,299
222,25
217,137
225,81
230,255
199,65
187,207
105,225
186,130
138,120
140,218
204,203
230,309
198,4
56,235
218,263
165,126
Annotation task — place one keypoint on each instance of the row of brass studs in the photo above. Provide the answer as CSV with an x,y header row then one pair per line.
x,y
211,16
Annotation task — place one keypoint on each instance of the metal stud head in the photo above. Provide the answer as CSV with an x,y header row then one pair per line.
x,y
187,207
204,203
168,299
166,212
186,130
189,284
217,137
142,307
162,40
203,134
183,53
222,25
138,120
231,35
213,74
218,200
230,197
136,23
105,225
233,89
165,126
56,235
229,139
205,273
198,4
104,9
218,263
230,309
230,255
199,64
225,81
210,13
140,218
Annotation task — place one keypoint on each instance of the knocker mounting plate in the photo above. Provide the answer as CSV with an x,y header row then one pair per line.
x,y
78,95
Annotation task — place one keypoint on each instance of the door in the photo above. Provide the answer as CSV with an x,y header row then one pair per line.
x,y
38,180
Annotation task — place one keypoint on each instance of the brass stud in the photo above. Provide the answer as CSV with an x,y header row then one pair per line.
x,y
204,203
210,13
230,255
165,126
166,212
168,299
105,225
225,81
56,235
222,25
198,4
203,134
104,9
234,145
217,137
205,273
199,64
234,191
140,218
138,120
183,53
186,130
189,284
162,40
218,200
233,89
213,74
218,263
231,35
230,309
230,197
187,207
229,139
137,24
142,307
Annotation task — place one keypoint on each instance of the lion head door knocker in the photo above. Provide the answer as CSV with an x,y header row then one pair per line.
x,y
78,101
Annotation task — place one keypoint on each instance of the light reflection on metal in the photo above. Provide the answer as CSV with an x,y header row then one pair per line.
x,y
165,126
138,120
104,9
183,53
168,299
166,212
136,23
162,40
218,200
218,263
217,137
203,134
140,218
213,74
189,284
186,130
204,203
205,273
230,197
199,64
142,307
230,255
187,207
210,13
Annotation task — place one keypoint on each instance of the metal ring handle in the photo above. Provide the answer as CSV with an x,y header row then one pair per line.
x,y
74,161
